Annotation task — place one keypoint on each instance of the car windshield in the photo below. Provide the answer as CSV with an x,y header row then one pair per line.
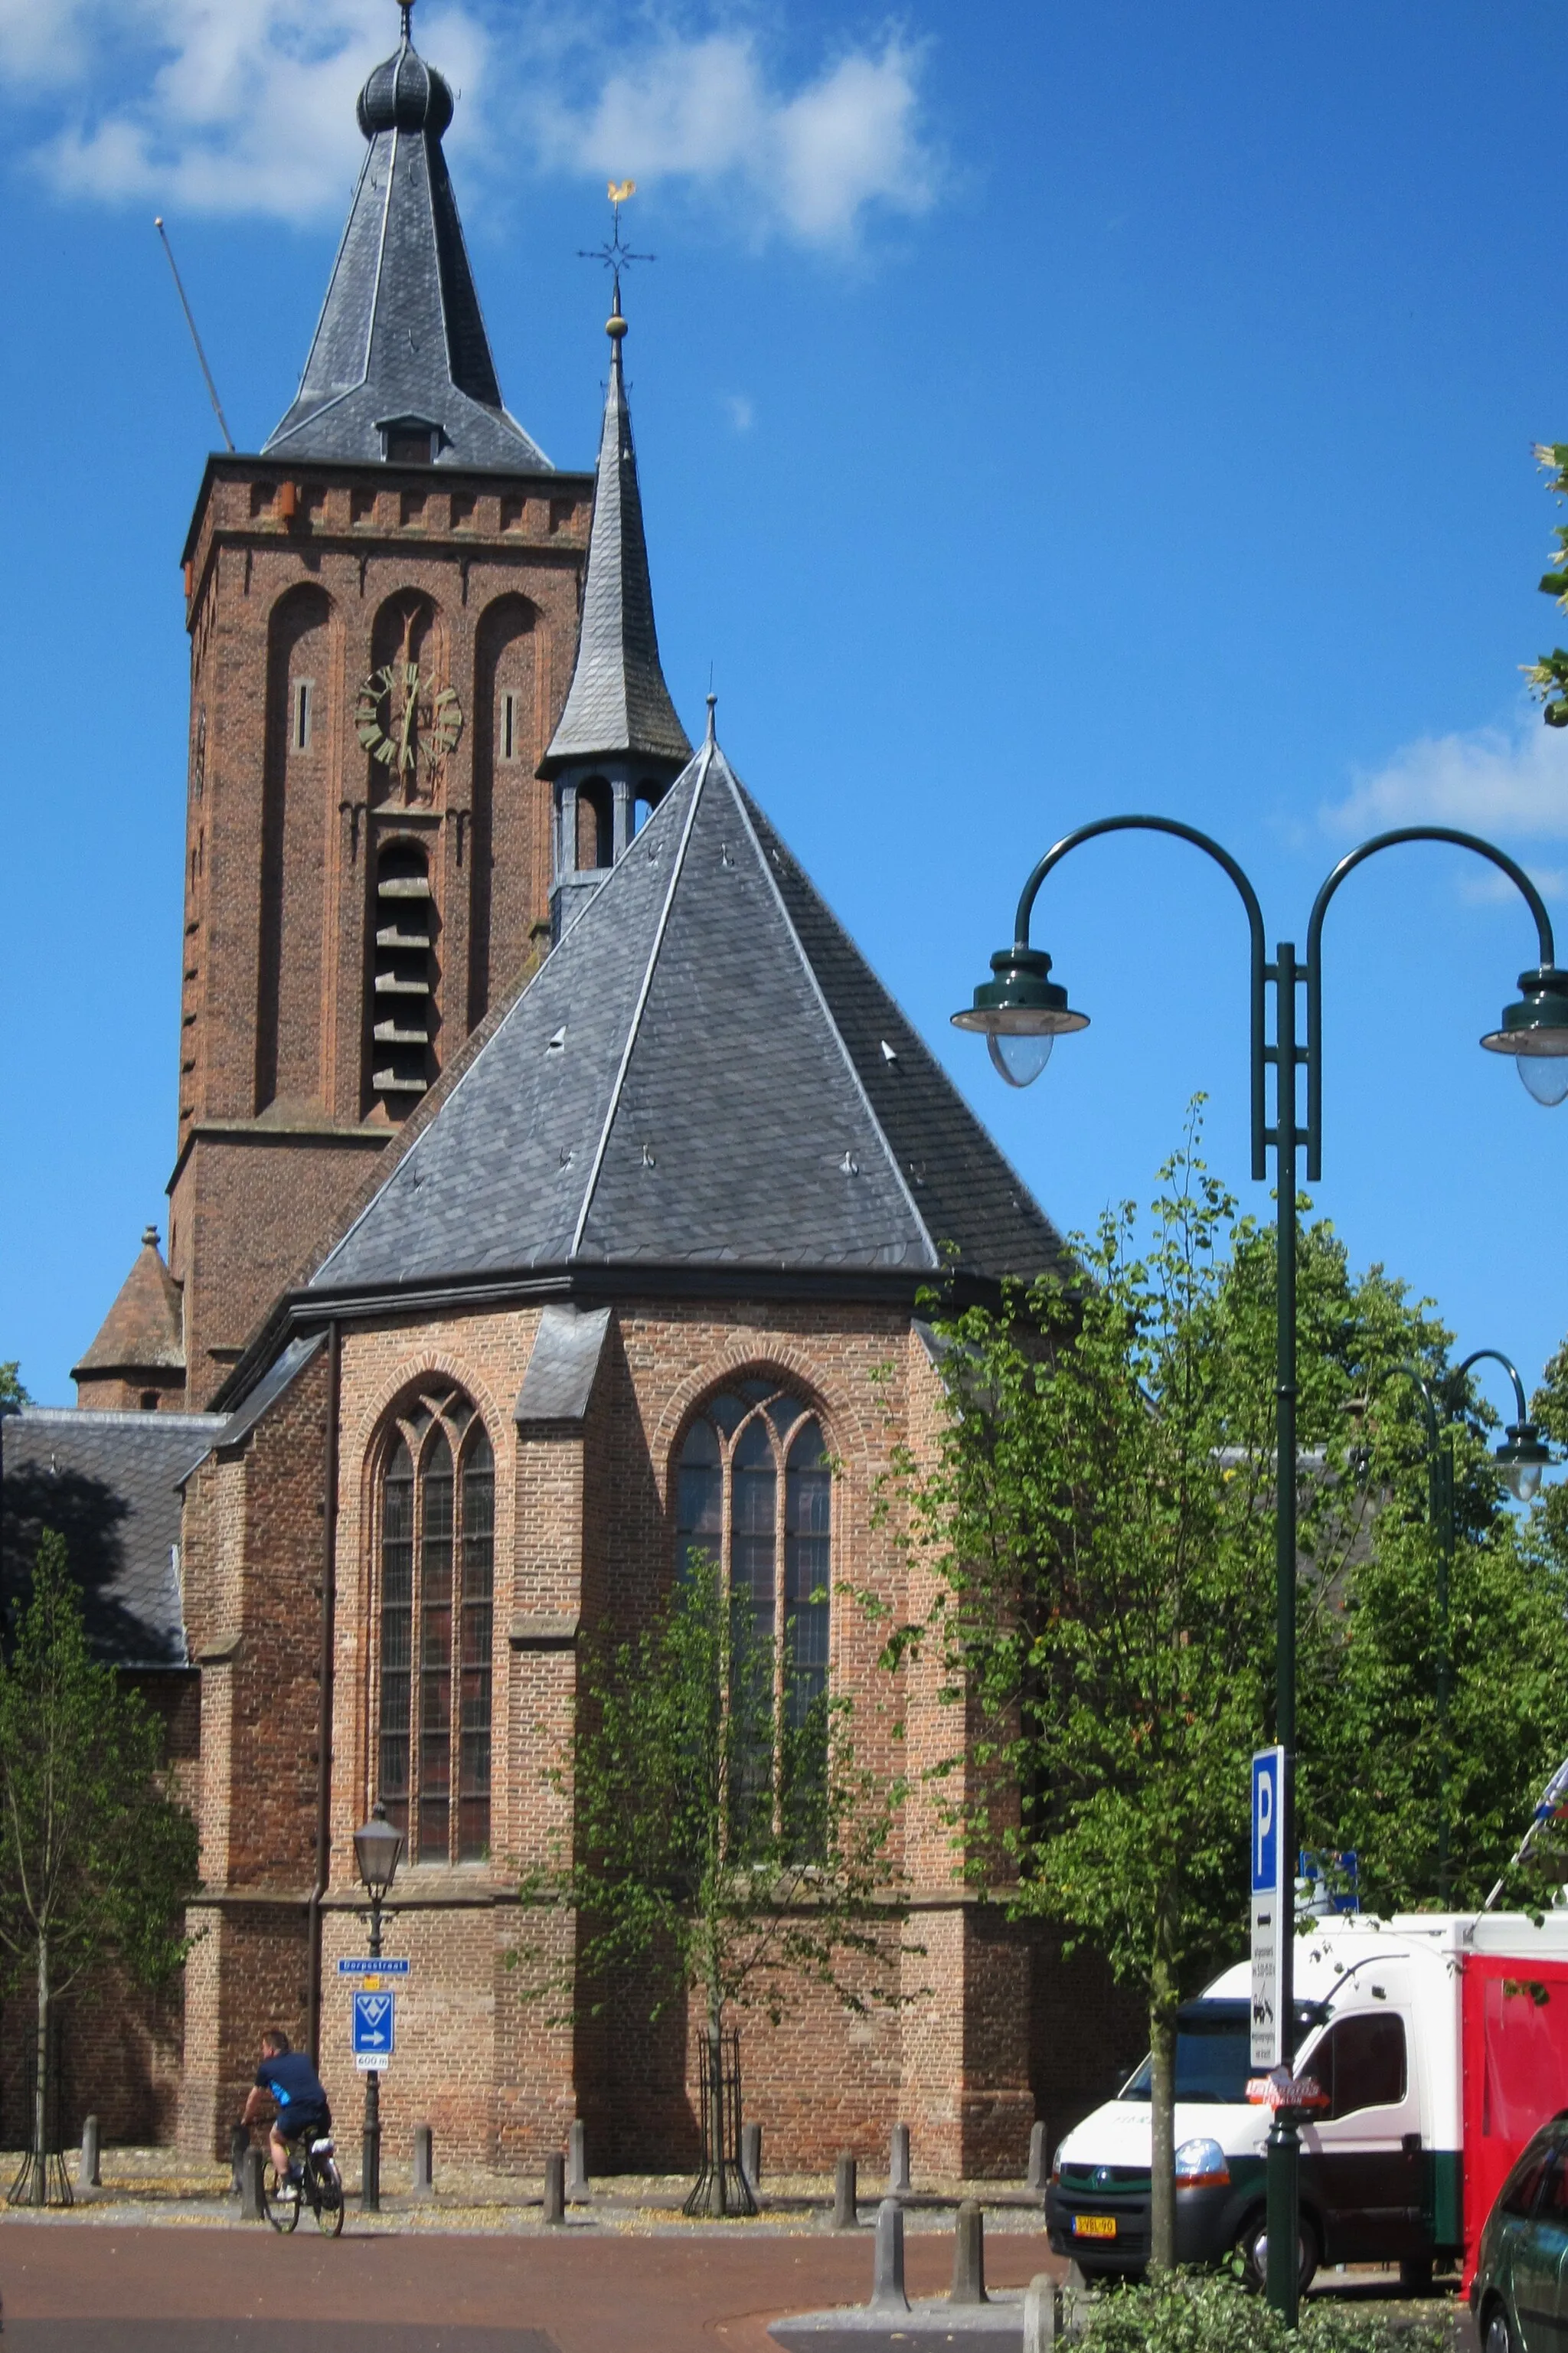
x,y
1213,2058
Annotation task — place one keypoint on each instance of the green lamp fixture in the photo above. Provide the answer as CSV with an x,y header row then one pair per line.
x,y
1535,1031
1021,1013
1523,1454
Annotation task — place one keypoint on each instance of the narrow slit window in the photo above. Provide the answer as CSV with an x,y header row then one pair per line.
x,y
304,700
508,726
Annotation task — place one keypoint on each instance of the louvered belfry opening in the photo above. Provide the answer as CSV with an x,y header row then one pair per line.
x,y
404,979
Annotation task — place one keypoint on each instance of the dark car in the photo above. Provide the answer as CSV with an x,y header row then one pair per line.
x,y
1520,2292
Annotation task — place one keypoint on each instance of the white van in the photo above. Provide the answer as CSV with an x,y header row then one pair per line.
x,y
1440,2043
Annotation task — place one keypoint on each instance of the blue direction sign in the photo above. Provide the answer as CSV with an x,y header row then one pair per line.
x,y
364,1966
375,2027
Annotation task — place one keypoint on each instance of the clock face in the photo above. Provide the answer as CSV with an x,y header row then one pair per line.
x,y
406,721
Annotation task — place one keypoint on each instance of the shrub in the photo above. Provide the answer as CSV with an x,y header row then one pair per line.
x,y
1209,2312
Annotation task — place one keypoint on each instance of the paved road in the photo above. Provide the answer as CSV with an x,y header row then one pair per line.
x,y
222,2288
75,2288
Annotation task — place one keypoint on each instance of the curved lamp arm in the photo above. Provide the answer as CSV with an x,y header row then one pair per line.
x,y
1498,858
1496,1356
1222,858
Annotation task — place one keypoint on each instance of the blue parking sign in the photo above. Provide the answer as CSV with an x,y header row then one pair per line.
x,y
1268,1767
374,2027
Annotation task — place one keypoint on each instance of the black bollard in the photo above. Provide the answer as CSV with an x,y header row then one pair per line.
x,y
555,2186
578,2187
238,2142
1036,2177
423,2161
251,2209
87,2171
752,2156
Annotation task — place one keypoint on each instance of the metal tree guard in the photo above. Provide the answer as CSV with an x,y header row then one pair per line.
x,y
41,2167
720,2186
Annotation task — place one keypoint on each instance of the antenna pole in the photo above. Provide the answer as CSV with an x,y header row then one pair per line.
x,y
206,372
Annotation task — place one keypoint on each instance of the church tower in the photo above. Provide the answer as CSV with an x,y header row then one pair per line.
x,y
382,608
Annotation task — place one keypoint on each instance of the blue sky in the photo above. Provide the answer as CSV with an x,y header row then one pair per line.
x,y
1042,411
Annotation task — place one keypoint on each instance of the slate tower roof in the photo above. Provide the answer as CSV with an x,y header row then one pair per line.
x,y
705,1072
618,704
401,356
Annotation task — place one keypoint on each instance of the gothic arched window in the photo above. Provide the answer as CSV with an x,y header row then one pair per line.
x,y
754,1490
436,1603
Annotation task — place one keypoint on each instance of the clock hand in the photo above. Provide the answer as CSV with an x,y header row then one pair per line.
x,y
410,691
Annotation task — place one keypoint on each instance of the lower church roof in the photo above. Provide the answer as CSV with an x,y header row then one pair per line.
x,y
705,1072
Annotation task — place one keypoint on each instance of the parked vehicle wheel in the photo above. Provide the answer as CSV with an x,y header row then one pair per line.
x,y
1497,2336
1253,2248
283,2213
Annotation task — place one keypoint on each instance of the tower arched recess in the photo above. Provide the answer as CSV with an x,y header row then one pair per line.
x,y
296,827
509,804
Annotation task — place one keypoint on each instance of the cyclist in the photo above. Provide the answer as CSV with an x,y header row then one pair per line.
x,y
288,2080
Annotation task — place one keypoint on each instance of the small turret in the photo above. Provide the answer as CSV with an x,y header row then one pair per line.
x,y
138,1359
619,742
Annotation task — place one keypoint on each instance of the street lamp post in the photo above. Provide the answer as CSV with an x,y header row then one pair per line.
x,y
377,1845
1520,1458
1021,1011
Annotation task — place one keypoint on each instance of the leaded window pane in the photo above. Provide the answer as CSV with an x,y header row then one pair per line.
x,y
436,1654
397,1635
474,1694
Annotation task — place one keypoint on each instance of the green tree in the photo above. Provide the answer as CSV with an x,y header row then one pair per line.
x,y
725,1838
1099,1515
1548,676
97,1857
11,1392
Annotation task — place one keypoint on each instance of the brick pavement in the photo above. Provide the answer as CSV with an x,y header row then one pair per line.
x,y
585,2291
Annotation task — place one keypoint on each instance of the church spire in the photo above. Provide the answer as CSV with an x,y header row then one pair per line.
x,y
401,365
619,705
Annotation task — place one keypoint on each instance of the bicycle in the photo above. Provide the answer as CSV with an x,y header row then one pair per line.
x,y
320,2186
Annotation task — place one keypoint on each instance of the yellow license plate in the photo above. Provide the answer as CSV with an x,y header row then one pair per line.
x,y
1094,2226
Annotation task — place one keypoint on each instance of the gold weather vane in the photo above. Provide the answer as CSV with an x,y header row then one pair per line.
x,y
615,256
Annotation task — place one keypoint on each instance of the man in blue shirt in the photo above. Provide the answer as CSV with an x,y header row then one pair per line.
x,y
288,2080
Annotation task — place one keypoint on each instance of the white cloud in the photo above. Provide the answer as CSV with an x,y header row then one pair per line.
x,y
738,408
246,106
811,162
1493,780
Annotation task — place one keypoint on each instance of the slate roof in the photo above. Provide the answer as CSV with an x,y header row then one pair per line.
x,y
144,1329
401,333
108,1483
703,1073
617,702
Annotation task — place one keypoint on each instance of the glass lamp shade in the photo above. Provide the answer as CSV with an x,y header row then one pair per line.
x,y
1019,1057
1544,1076
377,1846
1521,1458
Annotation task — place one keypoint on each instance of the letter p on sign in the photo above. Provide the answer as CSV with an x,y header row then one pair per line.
x,y
1267,1767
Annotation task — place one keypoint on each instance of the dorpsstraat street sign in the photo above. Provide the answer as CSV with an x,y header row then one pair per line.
x,y
1268,2038
362,1965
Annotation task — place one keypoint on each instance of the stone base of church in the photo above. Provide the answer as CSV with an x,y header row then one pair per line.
x,y
991,2031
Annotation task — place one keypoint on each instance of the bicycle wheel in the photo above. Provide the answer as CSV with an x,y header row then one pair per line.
x,y
327,2195
283,2213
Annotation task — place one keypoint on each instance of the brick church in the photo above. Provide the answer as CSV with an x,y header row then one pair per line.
x,y
555,1184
